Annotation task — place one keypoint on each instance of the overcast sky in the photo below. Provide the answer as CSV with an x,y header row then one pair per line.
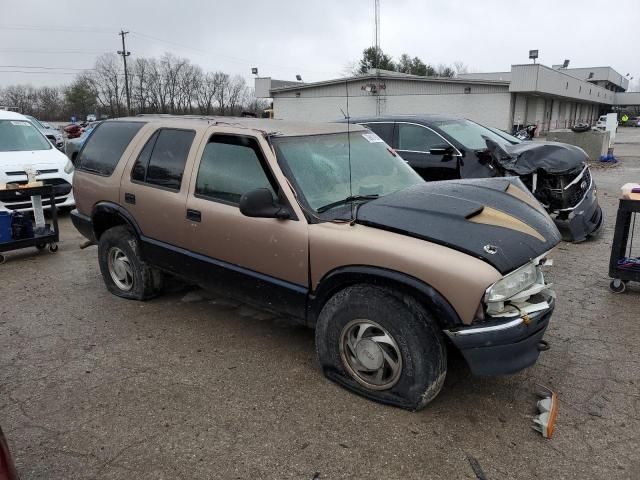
x,y
316,39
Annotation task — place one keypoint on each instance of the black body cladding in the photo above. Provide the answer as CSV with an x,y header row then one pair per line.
x,y
440,212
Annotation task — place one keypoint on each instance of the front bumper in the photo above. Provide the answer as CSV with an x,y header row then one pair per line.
x,y
502,348
584,220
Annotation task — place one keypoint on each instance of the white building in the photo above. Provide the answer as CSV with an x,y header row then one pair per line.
x,y
532,93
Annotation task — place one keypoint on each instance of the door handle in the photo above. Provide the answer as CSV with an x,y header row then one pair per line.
x,y
130,198
194,215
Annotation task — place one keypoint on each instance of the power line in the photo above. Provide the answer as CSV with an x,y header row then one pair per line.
x,y
58,28
46,68
33,71
56,52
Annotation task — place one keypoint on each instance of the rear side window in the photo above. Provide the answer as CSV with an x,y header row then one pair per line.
x,y
161,161
383,130
416,138
230,167
103,149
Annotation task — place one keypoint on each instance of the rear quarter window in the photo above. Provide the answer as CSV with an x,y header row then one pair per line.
x,y
103,149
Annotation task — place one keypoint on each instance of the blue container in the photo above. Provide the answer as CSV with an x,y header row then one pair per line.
x,y
5,227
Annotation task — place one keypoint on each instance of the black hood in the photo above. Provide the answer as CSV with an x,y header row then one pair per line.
x,y
476,217
529,157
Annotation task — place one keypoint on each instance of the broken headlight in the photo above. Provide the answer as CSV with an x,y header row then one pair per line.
x,y
512,283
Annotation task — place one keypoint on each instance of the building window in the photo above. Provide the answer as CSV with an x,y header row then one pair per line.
x,y
566,87
467,89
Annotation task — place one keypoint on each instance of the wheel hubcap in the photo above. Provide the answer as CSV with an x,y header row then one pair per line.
x,y
120,269
370,354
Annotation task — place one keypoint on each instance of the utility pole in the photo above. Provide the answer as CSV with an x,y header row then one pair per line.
x,y
124,53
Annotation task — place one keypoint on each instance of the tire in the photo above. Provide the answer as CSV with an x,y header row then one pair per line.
x,y
119,253
416,345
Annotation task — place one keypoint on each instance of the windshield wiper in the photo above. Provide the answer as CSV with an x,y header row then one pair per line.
x,y
344,201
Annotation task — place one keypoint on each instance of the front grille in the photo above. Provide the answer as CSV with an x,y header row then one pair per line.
x,y
45,203
10,197
19,173
554,193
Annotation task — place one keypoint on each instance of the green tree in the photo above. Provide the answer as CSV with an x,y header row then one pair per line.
x,y
414,66
374,57
80,97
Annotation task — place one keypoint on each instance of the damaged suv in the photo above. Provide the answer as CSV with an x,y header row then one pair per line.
x,y
326,224
442,148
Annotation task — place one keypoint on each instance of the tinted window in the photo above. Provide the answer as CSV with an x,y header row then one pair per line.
x,y
105,146
383,130
417,138
139,171
168,156
230,167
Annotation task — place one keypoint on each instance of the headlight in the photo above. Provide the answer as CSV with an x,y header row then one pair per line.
x,y
68,168
511,284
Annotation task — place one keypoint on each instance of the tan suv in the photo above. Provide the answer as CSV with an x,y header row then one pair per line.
x,y
326,224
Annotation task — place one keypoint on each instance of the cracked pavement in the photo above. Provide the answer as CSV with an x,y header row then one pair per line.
x,y
198,387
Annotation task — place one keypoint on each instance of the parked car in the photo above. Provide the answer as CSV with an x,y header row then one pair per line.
x,y
340,234
73,146
443,147
73,130
7,467
52,134
22,146
91,117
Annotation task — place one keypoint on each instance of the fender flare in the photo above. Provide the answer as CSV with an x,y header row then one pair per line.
x,y
342,277
111,208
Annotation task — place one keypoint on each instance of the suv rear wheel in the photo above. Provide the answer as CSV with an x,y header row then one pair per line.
x,y
381,344
123,271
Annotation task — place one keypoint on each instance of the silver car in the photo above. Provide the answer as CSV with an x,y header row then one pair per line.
x,y
54,135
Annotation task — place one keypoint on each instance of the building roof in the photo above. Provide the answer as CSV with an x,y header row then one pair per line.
x,y
263,125
386,75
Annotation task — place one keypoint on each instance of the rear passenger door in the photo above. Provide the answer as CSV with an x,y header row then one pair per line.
x,y
414,142
260,260
154,186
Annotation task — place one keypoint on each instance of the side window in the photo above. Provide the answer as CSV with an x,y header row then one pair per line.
x,y
139,170
417,138
230,167
383,130
104,147
161,161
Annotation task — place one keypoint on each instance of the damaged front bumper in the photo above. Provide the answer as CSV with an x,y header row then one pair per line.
x,y
506,346
585,219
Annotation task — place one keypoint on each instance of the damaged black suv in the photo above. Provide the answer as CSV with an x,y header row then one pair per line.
x,y
442,147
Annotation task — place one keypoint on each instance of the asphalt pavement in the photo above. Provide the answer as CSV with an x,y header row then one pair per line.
x,y
190,386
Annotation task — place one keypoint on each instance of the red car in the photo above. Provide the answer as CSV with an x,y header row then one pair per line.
x,y
7,468
73,130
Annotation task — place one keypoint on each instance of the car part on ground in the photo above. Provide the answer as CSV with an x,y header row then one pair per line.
x,y
325,224
526,133
443,147
545,421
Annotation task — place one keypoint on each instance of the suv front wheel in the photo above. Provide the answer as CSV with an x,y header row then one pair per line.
x,y
124,272
382,344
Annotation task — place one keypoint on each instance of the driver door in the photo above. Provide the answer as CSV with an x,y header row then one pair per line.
x,y
413,142
261,261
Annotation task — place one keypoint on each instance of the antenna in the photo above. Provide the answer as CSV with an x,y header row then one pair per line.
x,y
377,32
346,86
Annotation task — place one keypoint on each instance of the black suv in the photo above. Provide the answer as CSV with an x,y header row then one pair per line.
x,y
442,147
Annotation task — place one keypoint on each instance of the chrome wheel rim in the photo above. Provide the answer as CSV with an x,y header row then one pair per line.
x,y
370,354
120,269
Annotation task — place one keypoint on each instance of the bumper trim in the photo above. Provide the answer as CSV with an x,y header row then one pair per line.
x,y
491,328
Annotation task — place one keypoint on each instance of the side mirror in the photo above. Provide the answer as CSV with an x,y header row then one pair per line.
x,y
259,203
441,150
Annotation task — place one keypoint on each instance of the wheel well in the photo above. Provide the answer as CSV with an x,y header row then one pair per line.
x,y
424,294
104,220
